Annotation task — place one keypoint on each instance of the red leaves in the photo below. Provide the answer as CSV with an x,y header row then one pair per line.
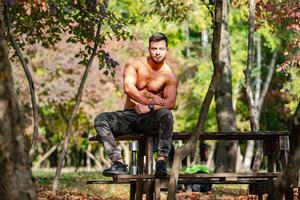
x,y
34,6
283,16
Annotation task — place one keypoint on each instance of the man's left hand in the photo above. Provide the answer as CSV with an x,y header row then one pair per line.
x,y
141,109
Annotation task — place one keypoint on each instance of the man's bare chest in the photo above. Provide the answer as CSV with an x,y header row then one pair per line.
x,y
153,82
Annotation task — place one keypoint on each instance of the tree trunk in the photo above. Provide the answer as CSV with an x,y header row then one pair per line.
x,y
292,170
258,82
16,178
30,82
226,156
251,103
189,147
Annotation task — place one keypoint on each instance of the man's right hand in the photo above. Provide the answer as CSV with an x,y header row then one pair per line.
x,y
141,109
157,100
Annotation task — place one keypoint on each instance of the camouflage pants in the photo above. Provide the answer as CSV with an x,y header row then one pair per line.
x,y
109,124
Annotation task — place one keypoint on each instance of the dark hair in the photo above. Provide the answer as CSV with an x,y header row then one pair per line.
x,y
156,37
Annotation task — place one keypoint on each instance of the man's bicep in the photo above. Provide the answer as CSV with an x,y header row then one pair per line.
x,y
130,76
170,91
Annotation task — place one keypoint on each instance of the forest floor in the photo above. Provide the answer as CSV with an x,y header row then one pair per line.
x,y
73,187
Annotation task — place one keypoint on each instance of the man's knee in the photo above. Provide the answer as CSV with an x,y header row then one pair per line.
x,y
102,120
165,114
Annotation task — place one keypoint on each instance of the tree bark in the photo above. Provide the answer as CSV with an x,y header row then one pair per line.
x,y
291,172
74,112
226,151
251,104
30,82
189,147
16,178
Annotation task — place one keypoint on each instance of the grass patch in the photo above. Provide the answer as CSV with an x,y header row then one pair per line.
x,y
73,183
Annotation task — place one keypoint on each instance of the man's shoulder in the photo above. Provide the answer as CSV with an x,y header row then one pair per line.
x,y
171,76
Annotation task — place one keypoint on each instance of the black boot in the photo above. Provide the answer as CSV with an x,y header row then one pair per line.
x,y
160,168
117,168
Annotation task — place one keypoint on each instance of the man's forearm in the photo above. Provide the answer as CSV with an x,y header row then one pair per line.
x,y
136,96
168,105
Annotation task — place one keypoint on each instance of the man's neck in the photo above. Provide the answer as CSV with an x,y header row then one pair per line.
x,y
154,65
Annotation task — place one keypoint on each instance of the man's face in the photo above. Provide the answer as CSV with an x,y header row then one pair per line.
x,y
158,51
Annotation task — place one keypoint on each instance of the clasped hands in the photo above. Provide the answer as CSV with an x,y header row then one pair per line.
x,y
143,109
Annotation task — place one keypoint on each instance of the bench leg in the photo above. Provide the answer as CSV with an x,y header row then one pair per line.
x,y
157,189
139,190
132,190
150,189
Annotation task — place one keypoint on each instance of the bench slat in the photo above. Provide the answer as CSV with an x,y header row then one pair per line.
x,y
261,135
202,176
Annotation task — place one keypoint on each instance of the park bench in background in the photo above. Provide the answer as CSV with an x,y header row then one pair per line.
x,y
145,181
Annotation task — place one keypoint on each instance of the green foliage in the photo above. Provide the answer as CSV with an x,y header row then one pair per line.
x,y
46,23
170,10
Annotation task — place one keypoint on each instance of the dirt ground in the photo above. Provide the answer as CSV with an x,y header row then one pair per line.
x,y
73,187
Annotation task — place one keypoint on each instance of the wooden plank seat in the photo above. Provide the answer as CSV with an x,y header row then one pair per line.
x,y
146,182
262,135
221,176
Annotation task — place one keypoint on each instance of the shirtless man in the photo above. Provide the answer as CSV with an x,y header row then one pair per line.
x,y
151,89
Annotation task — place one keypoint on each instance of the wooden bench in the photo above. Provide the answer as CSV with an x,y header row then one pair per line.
x,y
145,181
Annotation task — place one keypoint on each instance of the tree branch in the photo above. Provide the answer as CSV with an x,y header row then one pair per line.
x,y
30,82
266,85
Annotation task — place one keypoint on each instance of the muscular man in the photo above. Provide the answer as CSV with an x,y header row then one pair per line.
x,y
151,89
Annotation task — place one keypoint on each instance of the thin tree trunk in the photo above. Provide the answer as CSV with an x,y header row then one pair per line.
x,y
188,147
30,83
45,156
259,147
91,156
258,81
259,103
105,161
251,104
196,156
210,161
248,155
16,178
227,150
88,160
258,77
76,106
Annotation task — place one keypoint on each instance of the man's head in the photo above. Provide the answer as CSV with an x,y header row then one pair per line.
x,y
158,47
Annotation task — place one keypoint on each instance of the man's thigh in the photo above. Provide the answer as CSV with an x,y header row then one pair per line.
x,y
147,123
122,122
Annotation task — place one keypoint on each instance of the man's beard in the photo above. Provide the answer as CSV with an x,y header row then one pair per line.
x,y
157,61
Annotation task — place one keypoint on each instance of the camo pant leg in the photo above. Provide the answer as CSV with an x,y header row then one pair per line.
x,y
164,117
109,123
160,121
